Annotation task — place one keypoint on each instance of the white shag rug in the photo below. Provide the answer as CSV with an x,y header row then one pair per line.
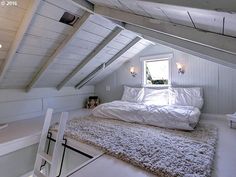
x,y
164,152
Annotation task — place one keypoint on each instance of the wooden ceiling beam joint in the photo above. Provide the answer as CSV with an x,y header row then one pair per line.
x,y
91,55
100,68
61,47
210,43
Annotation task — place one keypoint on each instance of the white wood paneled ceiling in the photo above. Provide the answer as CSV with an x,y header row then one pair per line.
x,y
205,29
54,54
10,20
216,21
45,35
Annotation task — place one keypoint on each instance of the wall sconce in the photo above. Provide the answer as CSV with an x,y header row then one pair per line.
x,y
180,68
132,71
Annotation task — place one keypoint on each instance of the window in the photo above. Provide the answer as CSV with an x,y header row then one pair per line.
x,y
156,70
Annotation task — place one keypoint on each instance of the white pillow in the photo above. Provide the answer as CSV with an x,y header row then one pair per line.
x,y
132,94
186,97
156,97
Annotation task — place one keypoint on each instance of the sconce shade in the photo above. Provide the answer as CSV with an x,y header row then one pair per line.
x,y
132,71
180,68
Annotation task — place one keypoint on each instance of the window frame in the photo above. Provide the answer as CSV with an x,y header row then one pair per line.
x,y
159,57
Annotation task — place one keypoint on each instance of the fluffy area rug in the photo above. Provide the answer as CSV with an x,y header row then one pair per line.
x,y
164,152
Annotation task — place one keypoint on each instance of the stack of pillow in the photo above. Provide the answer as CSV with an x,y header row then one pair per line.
x,y
171,96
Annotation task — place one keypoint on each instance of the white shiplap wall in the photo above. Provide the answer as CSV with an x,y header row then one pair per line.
x,y
217,80
16,104
227,87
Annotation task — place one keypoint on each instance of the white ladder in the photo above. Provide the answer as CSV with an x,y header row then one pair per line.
x,y
57,151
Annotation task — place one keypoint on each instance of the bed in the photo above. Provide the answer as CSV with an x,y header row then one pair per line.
x,y
168,116
176,108
144,132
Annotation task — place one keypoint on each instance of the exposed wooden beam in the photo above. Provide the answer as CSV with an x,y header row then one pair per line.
x,y
89,7
83,4
32,8
89,77
100,68
98,49
216,43
122,51
217,56
208,39
214,5
62,46
218,5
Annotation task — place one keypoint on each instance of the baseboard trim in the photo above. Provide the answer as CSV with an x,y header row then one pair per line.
x,y
27,174
208,116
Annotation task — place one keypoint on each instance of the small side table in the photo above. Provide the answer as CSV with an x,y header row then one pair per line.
x,y
232,119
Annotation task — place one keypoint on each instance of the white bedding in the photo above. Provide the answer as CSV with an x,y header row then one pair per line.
x,y
169,116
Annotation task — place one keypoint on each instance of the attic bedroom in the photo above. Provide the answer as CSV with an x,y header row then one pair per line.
x,y
114,88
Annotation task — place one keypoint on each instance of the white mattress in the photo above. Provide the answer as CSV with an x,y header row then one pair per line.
x,y
169,116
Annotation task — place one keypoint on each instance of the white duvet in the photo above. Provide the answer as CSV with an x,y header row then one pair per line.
x,y
169,116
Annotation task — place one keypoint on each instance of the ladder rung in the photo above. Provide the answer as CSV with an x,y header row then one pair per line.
x,y
39,174
53,159
46,157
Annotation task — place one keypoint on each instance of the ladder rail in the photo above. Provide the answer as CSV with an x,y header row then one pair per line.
x,y
43,138
57,147
53,159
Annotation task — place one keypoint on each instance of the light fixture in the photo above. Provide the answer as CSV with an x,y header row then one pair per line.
x,y
180,68
132,71
0,46
68,19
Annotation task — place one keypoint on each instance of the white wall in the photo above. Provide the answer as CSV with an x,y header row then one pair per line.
x,y
218,81
19,162
16,104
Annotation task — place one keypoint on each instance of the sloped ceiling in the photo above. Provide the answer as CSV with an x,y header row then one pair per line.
x,y
10,20
214,20
45,35
206,29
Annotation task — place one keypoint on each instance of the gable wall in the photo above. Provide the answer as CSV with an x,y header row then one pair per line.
x,y
217,80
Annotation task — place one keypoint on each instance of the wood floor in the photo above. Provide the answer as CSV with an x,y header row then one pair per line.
x,y
27,132
224,165
225,158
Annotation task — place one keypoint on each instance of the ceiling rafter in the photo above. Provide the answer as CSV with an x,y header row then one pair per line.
x,y
32,8
186,46
83,4
211,44
90,76
61,47
103,66
224,6
91,55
